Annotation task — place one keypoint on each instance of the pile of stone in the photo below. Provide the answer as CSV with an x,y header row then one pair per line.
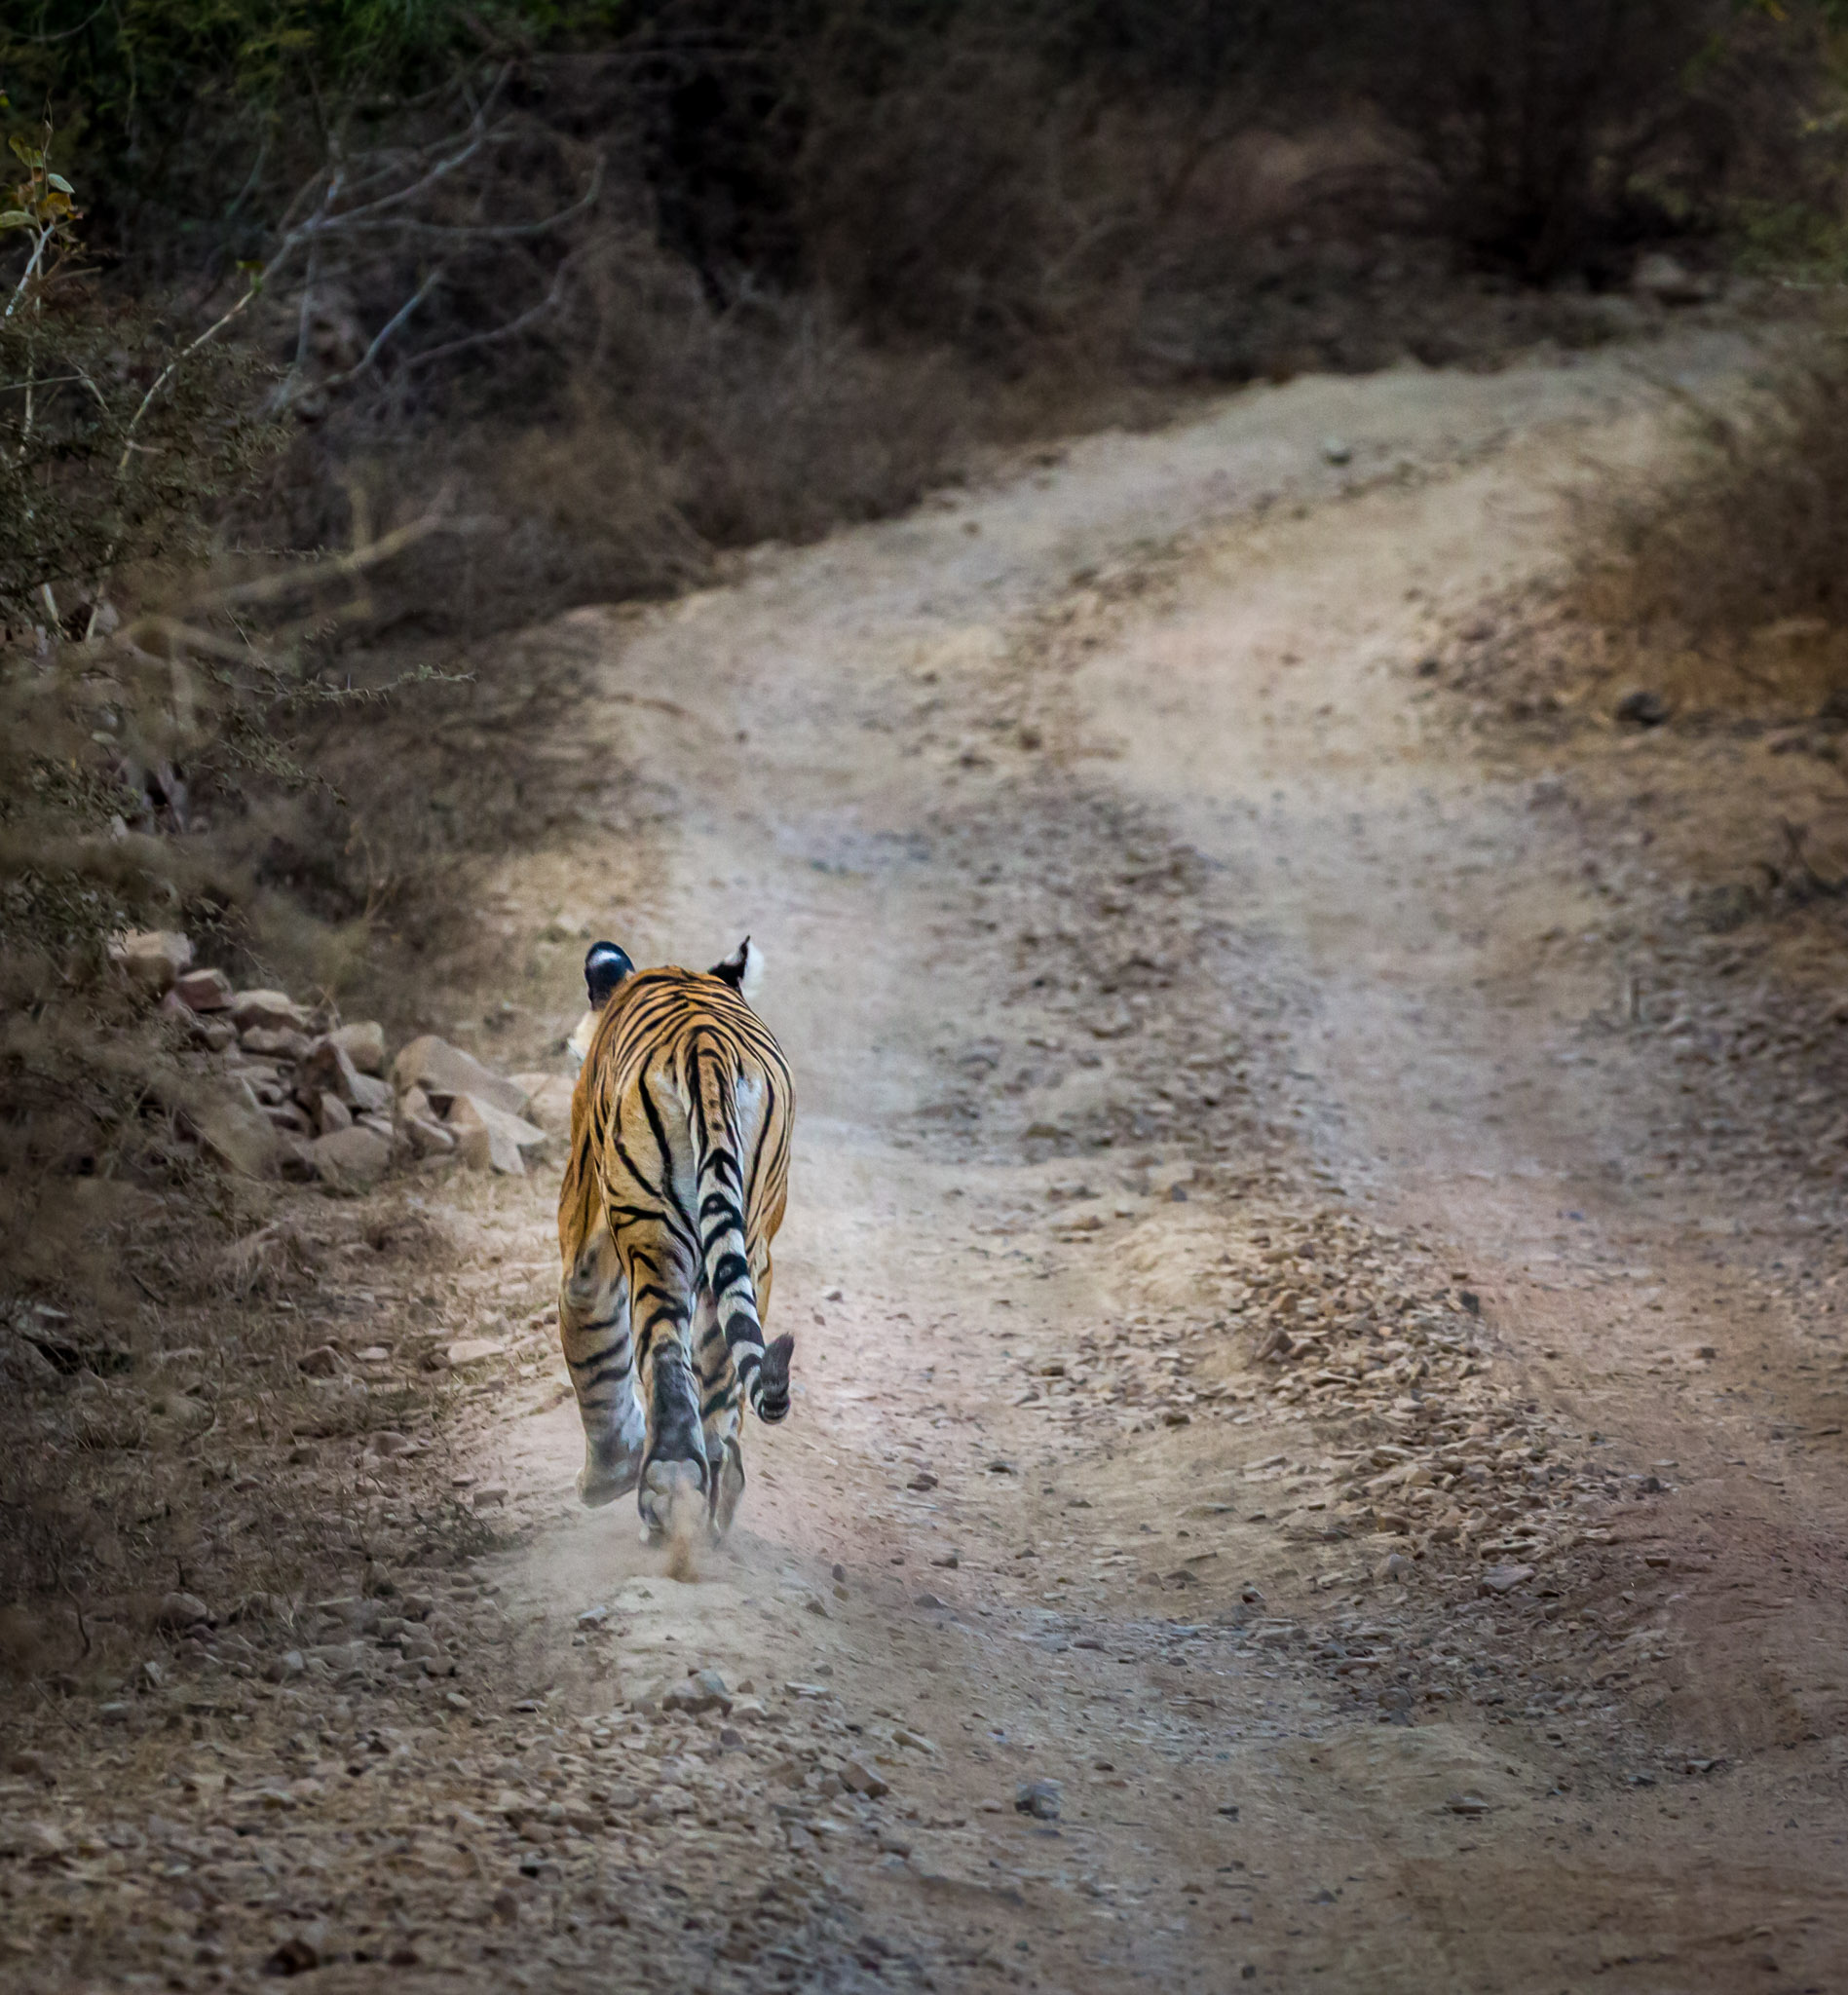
x,y
309,1096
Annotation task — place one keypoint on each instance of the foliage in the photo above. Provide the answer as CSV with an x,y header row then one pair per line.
x,y
119,439
1749,530
194,121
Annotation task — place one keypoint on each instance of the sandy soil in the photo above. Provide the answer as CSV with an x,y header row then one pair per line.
x,y
1314,1335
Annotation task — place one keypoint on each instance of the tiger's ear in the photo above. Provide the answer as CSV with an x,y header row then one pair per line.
x,y
742,970
604,967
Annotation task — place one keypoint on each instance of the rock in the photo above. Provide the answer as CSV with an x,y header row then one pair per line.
x,y
363,1044
372,1096
428,1137
1336,450
327,1067
197,1029
1642,709
180,1611
858,1778
444,1071
947,1560
349,1159
153,957
751,1711
267,1011
332,1114
1668,280
1038,1798
323,1362
204,989
275,1042
702,1691
237,1132
549,1101
1467,1804
33,1839
473,1351
1397,1567
1503,1579
295,1956
285,1667
488,1137
929,1602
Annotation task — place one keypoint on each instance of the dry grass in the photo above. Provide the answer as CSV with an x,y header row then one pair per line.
x,y
1723,582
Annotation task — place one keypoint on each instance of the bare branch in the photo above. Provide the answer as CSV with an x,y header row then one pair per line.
x,y
495,334
288,397
466,232
269,587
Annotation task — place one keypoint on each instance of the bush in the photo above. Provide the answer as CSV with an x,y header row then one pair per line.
x,y
1739,552
1555,137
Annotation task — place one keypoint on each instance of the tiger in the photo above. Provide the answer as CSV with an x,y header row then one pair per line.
x,y
673,1190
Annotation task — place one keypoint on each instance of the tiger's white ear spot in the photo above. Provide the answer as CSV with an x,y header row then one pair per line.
x,y
742,970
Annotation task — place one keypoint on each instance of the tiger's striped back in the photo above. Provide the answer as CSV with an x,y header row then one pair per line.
x,y
673,1191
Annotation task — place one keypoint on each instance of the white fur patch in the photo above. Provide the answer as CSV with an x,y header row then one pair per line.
x,y
578,1043
752,981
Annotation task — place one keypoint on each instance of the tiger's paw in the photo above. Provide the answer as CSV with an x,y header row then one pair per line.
x,y
610,1470
728,1486
771,1400
672,1499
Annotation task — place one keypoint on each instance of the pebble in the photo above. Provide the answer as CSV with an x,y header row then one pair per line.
x,y
1041,1799
700,1692
153,957
858,1778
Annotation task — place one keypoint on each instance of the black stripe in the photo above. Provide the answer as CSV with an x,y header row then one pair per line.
x,y
625,1369
585,1364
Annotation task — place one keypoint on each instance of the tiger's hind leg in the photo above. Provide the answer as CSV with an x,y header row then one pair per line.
x,y
593,1325
719,1413
675,1478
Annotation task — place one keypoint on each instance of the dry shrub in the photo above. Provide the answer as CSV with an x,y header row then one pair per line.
x,y
1728,572
676,432
1554,138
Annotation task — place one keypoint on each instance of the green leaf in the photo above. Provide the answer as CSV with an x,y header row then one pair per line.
x,y
58,181
15,218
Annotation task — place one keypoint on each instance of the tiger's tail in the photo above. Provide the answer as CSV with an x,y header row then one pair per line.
x,y
763,1373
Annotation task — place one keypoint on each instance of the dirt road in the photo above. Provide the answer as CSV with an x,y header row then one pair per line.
x,y
1300,1478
